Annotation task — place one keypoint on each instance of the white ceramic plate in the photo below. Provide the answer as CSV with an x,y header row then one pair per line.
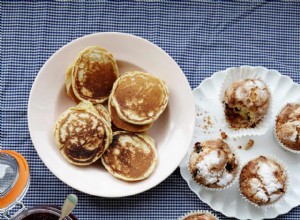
x,y
229,201
172,132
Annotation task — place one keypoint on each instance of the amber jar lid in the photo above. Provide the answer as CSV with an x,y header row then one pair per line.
x,y
14,178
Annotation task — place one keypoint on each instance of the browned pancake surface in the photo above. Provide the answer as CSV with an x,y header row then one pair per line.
x,y
82,137
118,122
94,76
139,98
129,157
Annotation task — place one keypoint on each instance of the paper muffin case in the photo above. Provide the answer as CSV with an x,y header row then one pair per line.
x,y
197,212
234,74
230,184
275,133
267,206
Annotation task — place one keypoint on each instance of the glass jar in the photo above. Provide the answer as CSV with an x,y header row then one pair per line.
x,y
14,184
42,212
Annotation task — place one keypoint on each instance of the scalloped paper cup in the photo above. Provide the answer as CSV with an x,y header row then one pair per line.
x,y
282,145
221,188
191,213
266,206
234,74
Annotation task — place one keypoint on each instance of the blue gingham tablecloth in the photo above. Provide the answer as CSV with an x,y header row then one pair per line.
x,y
202,37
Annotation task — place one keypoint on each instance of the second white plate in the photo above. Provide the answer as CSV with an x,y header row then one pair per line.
x,y
208,108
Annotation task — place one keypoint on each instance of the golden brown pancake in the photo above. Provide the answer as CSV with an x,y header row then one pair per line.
x,y
82,135
94,74
103,112
119,123
139,98
69,89
130,156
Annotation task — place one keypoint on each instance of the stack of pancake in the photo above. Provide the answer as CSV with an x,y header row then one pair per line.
x,y
135,100
82,134
92,75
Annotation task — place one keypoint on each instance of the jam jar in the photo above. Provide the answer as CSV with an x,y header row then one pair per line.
x,y
14,184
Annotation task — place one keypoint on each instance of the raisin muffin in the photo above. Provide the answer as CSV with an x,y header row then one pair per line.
x,y
198,215
246,103
287,127
263,181
212,164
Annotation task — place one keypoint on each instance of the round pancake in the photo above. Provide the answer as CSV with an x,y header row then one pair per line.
x,y
130,156
82,135
139,98
94,73
103,112
119,123
69,84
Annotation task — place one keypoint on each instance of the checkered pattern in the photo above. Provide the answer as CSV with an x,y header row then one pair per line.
x,y
203,37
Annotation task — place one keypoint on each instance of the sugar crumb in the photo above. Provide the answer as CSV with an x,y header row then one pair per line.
x,y
223,135
249,144
207,122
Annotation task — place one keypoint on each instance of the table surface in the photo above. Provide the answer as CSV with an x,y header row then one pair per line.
x,y
202,37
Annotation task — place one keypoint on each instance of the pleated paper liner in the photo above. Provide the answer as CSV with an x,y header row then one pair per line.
x,y
270,205
239,73
228,185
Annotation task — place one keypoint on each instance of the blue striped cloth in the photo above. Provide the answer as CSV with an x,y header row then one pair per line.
x,y
203,37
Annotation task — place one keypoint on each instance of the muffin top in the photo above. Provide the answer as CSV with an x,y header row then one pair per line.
x,y
200,216
288,126
212,164
246,102
263,181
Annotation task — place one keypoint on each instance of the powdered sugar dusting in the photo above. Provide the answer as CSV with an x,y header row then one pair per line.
x,y
261,195
239,93
225,179
257,188
260,84
293,136
211,176
205,165
266,173
243,92
290,130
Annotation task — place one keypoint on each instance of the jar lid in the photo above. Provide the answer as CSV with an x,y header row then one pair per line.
x,y
14,178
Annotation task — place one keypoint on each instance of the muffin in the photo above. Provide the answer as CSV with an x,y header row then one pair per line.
x,y
198,215
263,181
212,164
246,103
287,127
